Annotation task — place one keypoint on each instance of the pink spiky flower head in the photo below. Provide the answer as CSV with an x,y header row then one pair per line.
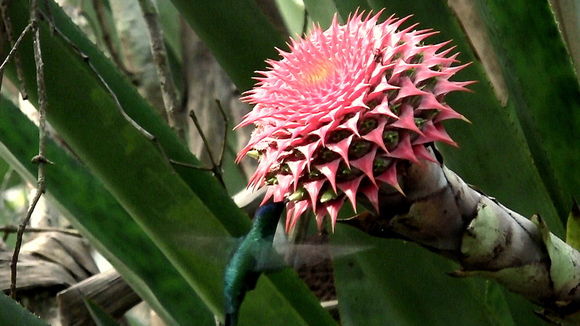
x,y
337,114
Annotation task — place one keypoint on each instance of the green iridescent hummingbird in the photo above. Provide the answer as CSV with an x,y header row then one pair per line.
x,y
244,267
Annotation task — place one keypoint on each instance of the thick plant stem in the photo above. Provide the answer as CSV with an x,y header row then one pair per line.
x,y
444,214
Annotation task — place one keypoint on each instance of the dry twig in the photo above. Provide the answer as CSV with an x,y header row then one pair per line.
x,y
160,59
7,229
39,159
14,45
13,50
215,167
225,142
108,40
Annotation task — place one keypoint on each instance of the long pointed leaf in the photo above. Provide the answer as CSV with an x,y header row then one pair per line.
x,y
543,89
93,211
11,313
321,11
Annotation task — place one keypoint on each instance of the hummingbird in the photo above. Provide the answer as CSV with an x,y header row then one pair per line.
x,y
243,269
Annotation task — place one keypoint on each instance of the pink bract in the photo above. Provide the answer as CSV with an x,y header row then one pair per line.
x,y
339,111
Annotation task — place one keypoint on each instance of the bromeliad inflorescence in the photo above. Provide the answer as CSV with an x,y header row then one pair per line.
x,y
337,114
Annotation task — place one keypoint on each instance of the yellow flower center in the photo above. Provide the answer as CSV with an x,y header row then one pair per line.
x,y
317,74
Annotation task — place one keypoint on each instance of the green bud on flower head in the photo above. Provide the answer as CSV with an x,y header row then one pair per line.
x,y
328,195
380,165
313,174
358,148
391,138
255,154
368,125
420,122
272,181
297,195
417,58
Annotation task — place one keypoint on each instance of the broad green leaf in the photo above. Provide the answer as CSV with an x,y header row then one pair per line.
x,y
292,13
11,313
233,29
167,205
399,283
345,7
99,316
573,227
94,212
321,11
543,90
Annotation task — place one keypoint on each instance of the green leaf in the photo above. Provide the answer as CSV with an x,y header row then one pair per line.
x,y
399,283
100,317
573,227
167,205
321,11
233,29
542,88
11,313
345,7
93,211
292,13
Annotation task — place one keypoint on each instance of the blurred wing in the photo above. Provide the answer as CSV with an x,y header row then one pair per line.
x,y
271,258
220,249
298,255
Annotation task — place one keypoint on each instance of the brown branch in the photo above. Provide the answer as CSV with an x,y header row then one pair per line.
x,y
101,19
191,166
225,142
7,229
14,48
159,52
39,159
9,34
215,167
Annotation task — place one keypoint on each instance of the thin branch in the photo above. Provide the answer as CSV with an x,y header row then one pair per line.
x,y
101,19
160,59
226,122
191,166
7,229
14,49
39,159
215,168
10,35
